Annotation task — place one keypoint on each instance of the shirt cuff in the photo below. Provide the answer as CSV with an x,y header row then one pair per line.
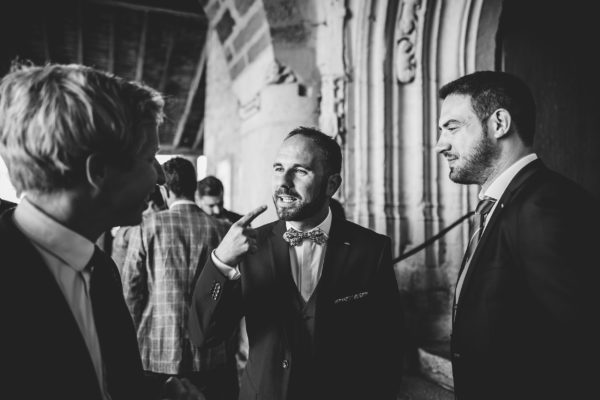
x,y
231,273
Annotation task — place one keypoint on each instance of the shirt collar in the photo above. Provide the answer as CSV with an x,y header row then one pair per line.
x,y
69,246
499,185
181,202
325,226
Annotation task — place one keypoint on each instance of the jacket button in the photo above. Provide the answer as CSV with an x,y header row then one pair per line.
x,y
285,364
456,355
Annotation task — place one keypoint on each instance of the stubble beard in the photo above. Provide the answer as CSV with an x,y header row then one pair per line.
x,y
476,165
303,210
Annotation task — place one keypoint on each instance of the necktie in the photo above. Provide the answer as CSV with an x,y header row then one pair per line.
x,y
295,238
481,211
478,222
108,306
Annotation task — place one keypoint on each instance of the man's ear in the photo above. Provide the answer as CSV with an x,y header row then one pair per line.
x,y
96,170
500,123
333,184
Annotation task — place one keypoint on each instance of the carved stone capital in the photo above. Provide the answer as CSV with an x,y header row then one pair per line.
x,y
406,40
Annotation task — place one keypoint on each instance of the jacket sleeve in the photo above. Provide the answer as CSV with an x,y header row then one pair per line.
x,y
216,307
388,327
135,276
556,239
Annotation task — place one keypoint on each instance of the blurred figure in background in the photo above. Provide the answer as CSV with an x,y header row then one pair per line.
x,y
209,196
166,253
121,234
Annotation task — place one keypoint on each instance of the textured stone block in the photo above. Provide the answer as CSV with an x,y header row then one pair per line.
x,y
225,26
259,46
252,26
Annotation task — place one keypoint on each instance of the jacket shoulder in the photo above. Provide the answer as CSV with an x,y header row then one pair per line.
x,y
359,232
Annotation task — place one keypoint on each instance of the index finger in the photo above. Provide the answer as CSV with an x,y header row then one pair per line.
x,y
248,218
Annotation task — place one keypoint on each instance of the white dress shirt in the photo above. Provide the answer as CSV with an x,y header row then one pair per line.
x,y
66,253
499,185
178,202
306,261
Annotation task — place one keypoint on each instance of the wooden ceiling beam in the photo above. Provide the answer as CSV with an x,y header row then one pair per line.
x,y
79,23
168,55
142,7
111,43
190,97
139,68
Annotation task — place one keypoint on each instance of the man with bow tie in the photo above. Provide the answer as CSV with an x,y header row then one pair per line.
x,y
319,294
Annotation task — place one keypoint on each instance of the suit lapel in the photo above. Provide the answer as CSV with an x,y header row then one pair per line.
x,y
518,181
56,314
280,252
338,248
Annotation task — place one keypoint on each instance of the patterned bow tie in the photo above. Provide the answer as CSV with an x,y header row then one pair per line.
x,y
295,238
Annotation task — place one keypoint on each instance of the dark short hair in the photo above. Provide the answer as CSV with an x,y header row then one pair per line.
x,y
491,90
332,153
157,198
210,186
180,177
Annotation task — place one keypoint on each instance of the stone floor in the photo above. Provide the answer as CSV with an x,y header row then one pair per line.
x,y
415,387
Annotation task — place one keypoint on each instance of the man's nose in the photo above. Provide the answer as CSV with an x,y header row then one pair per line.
x,y
442,145
283,180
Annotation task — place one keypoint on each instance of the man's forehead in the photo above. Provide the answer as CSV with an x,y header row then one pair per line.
x,y
211,199
298,150
456,107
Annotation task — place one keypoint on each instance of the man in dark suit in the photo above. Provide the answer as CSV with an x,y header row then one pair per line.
x,y
209,195
526,300
6,205
80,145
319,293
165,255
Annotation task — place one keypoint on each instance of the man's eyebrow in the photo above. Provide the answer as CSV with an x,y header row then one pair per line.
x,y
448,122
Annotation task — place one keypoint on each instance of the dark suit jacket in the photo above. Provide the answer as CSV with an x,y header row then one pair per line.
x,y
357,336
525,323
45,355
6,205
231,216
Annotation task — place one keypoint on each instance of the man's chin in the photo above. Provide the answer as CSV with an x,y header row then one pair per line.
x,y
287,214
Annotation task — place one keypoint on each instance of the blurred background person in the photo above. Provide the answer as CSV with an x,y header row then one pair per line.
x,y
121,234
165,255
209,196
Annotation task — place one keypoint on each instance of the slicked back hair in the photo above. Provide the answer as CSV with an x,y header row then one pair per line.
x,y
52,117
180,177
210,186
332,153
491,90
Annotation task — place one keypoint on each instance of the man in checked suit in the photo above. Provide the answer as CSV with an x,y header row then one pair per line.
x,y
525,320
80,145
323,316
165,256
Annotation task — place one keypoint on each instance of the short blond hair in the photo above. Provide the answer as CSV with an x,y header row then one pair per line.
x,y
53,117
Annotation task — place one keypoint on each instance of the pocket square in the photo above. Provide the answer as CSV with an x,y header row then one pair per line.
x,y
350,298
